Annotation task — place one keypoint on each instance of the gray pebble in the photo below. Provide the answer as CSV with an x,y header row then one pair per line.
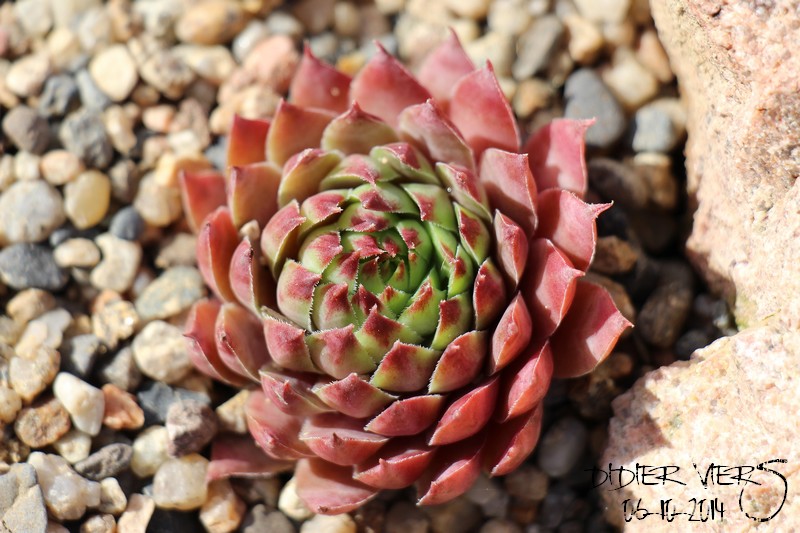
x,y
106,462
84,134
171,293
30,211
653,130
555,506
155,400
25,266
68,231
124,180
121,370
657,231
190,425
79,354
217,153
615,181
91,96
562,446
22,506
127,224
27,129
664,313
59,97
536,46
588,97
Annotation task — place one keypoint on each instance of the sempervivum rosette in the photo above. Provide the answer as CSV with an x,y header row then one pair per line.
x,y
397,278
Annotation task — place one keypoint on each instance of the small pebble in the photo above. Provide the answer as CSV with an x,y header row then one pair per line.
x,y
604,10
537,45
46,331
156,398
342,523
215,64
691,341
121,371
32,374
10,404
656,171
489,495
119,127
260,519
137,514
27,129
26,166
43,423
92,98
210,22
84,402
231,414
588,97
59,97
29,212
168,73
27,75
290,503
24,266
190,426
114,72
112,497
496,525
664,313
455,516
614,180
29,304
404,517
127,224
495,47
83,134
21,503
121,409
158,205
561,446
115,322
74,446
59,167
106,462
508,16
653,130
119,265
614,256
585,39
171,293
160,352
81,253
86,199
223,510
79,354
181,483
99,523
177,250
631,83
472,9
149,451
67,494
527,483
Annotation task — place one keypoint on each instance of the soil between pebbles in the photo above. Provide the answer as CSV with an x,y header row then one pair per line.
x,y
102,104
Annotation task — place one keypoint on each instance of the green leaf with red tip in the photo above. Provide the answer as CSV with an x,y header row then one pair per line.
x,y
467,415
418,268
434,204
393,244
473,234
378,333
239,456
253,193
444,66
426,127
365,245
445,245
489,297
481,113
395,300
404,160
354,397
321,207
385,197
357,218
460,363
343,269
465,188
455,318
332,307
405,368
251,282
240,340
510,186
291,393
275,431
279,237
317,84
286,343
454,470
588,333
319,249
216,243
247,141
400,279
330,489
364,303
511,335
295,292
525,382
460,271
201,344
512,442
356,132
202,192
512,248
340,439
303,173
409,416
415,236
557,155
422,315
295,129
338,353
353,171
397,465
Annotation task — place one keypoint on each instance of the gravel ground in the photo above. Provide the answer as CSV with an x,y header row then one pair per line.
x,y
103,104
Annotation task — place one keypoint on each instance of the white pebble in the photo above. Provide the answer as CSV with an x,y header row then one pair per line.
x,y
223,510
74,446
84,403
114,72
181,483
342,523
149,451
66,493
160,352
291,504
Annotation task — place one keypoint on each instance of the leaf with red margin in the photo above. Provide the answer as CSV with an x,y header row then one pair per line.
x,y
524,383
444,67
216,243
510,187
340,439
303,173
569,223
460,363
481,113
356,132
454,470
253,193
330,489
276,432
397,465
247,141
512,442
202,348
240,340
286,343
429,129
250,281
467,415
239,456
548,286
292,392
295,129
384,87
489,296
557,155
408,416
588,333
317,84
512,248
352,396
202,192
511,336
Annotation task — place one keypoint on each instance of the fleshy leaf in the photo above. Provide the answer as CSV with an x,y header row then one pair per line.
x,y
356,132
512,334
512,248
291,392
444,67
454,470
510,187
352,396
216,243
279,238
405,368
240,340
202,192
467,415
303,173
460,363
407,417
425,126
287,343
396,465
512,442
330,489
295,292
253,193
293,130
239,456
250,281
557,155
338,353
317,84
247,141
340,439
275,431
489,297
525,383
201,346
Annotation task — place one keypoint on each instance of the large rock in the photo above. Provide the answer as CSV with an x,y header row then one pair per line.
x,y
733,404
737,65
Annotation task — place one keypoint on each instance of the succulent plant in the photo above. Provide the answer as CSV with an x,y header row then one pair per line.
x,y
396,279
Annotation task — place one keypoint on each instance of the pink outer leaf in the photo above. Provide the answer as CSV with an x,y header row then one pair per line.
x,y
202,192
444,67
460,363
481,113
352,396
330,489
252,284
303,173
317,84
588,333
454,470
340,439
467,415
512,442
240,340
512,247
295,292
275,431
384,87
407,417
549,286
525,383
247,141
287,344
356,132
569,223
293,130
199,333
425,126
253,193
489,296
510,187
397,465
239,456
557,155
511,336
279,238
216,243
291,392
